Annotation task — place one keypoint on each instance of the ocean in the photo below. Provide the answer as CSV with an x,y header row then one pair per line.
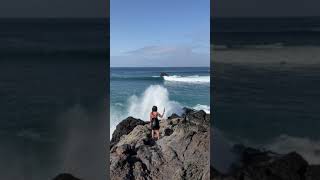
x,y
266,86
133,91
53,85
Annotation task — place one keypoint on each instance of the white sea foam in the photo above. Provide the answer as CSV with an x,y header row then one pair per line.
x,y
154,95
140,106
188,79
119,104
205,108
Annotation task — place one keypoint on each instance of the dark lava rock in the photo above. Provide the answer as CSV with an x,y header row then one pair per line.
x,y
168,132
187,111
174,115
65,176
124,128
313,172
198,117
124,149
163,74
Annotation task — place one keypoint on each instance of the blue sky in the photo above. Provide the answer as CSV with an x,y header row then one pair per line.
x,y
153,33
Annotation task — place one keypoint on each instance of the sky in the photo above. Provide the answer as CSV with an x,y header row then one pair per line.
x,y
166,33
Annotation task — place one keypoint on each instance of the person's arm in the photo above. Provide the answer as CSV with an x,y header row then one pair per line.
x,y
150,120
161,115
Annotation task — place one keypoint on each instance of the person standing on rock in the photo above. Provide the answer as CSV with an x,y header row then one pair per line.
x,y
154,122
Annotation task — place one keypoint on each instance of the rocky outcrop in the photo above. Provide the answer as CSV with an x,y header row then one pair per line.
x,y
266,165
163,74
65,176
124,128
182,152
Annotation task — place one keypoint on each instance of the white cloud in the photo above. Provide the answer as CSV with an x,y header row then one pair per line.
x,y
154,56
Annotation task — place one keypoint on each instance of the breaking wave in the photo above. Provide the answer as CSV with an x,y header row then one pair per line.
x,y
188,79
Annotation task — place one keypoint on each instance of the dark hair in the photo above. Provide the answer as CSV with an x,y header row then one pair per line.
x,y
154,109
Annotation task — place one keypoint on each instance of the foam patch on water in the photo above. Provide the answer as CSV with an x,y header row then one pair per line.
x,y
188,79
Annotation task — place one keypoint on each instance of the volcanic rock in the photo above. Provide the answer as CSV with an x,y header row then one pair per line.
x,y
182,152
163,74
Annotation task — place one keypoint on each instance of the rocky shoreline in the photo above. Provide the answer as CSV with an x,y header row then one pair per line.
x,y
257,164
181,153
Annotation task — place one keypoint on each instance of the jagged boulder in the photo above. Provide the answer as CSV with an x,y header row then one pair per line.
x,y
198,117
124,128
65,176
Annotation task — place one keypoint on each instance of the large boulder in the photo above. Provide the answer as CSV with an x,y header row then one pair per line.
x,y
124,128
198,117
65,176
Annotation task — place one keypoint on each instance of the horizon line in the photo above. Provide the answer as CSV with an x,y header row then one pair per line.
x,y
158,66
54,17
222,17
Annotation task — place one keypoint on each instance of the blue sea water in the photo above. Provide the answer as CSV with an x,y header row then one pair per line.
x,y
133,91
266,89
52,87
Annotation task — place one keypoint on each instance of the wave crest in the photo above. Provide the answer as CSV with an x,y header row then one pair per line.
x,y
188,79
205,108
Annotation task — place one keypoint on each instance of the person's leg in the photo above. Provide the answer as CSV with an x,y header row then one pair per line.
x,y
152,133
158,134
